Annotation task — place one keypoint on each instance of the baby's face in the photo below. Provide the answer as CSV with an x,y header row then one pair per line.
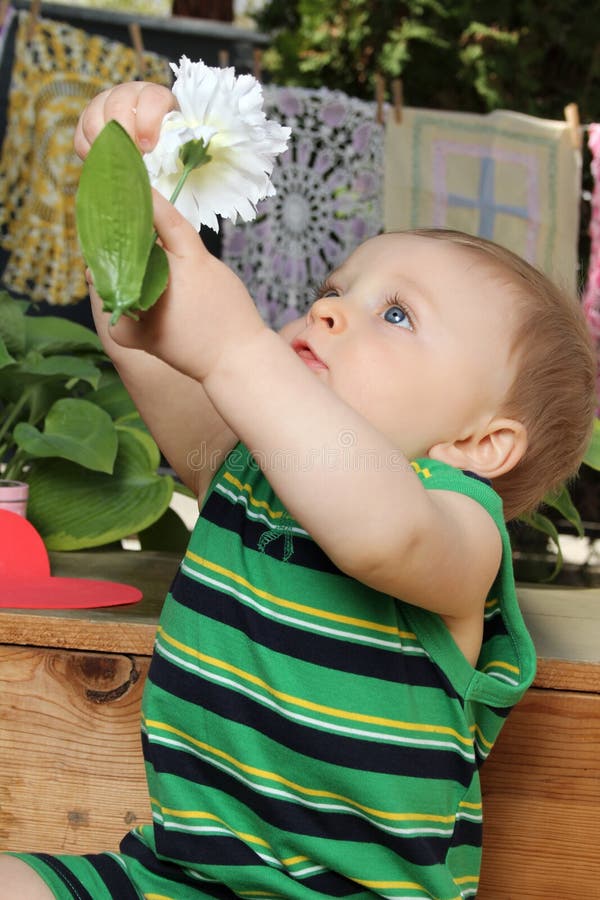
x,y
415,334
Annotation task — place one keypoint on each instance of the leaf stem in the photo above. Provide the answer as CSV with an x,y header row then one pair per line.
x,y
14,413
15,466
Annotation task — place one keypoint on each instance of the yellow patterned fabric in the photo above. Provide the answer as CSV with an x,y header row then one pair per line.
x,y
56,72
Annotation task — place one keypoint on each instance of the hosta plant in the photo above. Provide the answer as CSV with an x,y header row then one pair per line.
x,y
561,506
69,429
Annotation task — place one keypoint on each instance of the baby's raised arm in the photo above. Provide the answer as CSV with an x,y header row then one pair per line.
x,y
183,421
203,347
374,519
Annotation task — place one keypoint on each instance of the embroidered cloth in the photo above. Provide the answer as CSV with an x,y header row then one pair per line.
x,y
591,296
328,200
56,72
512,178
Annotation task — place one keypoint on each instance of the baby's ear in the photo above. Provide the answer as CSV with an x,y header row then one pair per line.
x,y
490,453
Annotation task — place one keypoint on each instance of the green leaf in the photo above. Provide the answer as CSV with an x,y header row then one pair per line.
x,y
75,430
562,502
155,277
132,420
12,323
11,384
112,396
74,508
545,525
42,396
5,358
113,211
35,367
184,490
50,335
145,441
169,533
592,457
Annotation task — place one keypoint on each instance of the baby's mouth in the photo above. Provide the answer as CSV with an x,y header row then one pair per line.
x,y
307,355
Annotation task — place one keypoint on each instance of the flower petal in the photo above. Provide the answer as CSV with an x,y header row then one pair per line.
x,y
227,113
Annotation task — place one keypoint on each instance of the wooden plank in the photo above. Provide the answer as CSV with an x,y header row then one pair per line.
x,y
70,735
72,776
561,674
109,633
562,629
541,790
124,629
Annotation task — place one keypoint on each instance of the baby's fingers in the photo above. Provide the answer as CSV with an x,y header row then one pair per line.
x,y
91,122
152,104
138,106
176,234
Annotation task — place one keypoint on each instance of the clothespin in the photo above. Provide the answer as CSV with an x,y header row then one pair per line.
x,y
4,4
379,97
223,59
572,117
135,33
257,63
34,13
397,97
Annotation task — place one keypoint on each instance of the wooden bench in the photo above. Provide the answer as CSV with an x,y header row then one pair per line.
x,y
71,772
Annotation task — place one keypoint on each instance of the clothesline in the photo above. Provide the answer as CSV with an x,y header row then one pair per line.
x,y
500,167
571,110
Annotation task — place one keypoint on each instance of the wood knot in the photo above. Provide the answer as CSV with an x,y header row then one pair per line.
x,y
104,678
78,818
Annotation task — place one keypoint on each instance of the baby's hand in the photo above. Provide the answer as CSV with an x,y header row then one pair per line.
x,y
138,106
205,310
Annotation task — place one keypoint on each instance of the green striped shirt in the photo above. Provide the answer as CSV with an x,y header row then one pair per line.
x,y
305,735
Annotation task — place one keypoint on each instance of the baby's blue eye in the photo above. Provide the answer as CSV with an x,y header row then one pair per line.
x,y
397,316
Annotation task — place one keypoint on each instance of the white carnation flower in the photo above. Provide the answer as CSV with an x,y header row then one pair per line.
x,y
225,113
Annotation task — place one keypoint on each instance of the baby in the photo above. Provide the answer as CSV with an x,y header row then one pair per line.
x,y
342,641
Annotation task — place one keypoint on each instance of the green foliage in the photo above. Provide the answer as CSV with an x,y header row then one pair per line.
x,y
525,55
559,507
592,457
342,44
114,224
69,428
562,503
113,210
73,429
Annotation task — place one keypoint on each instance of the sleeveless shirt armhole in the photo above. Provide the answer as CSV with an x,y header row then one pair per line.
x,y
501,682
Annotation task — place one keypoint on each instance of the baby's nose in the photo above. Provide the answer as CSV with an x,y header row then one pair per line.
x,y
328,311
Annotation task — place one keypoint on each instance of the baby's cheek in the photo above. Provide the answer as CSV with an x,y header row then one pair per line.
x,y
292,329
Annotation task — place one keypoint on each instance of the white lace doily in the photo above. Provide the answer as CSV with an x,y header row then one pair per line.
x,y
328,200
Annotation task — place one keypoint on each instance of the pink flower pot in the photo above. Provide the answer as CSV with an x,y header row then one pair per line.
x,y
13,496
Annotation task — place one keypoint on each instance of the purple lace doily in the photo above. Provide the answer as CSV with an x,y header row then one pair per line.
x,y
328,200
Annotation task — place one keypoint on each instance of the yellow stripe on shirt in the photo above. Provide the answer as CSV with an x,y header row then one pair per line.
x,y
298,607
